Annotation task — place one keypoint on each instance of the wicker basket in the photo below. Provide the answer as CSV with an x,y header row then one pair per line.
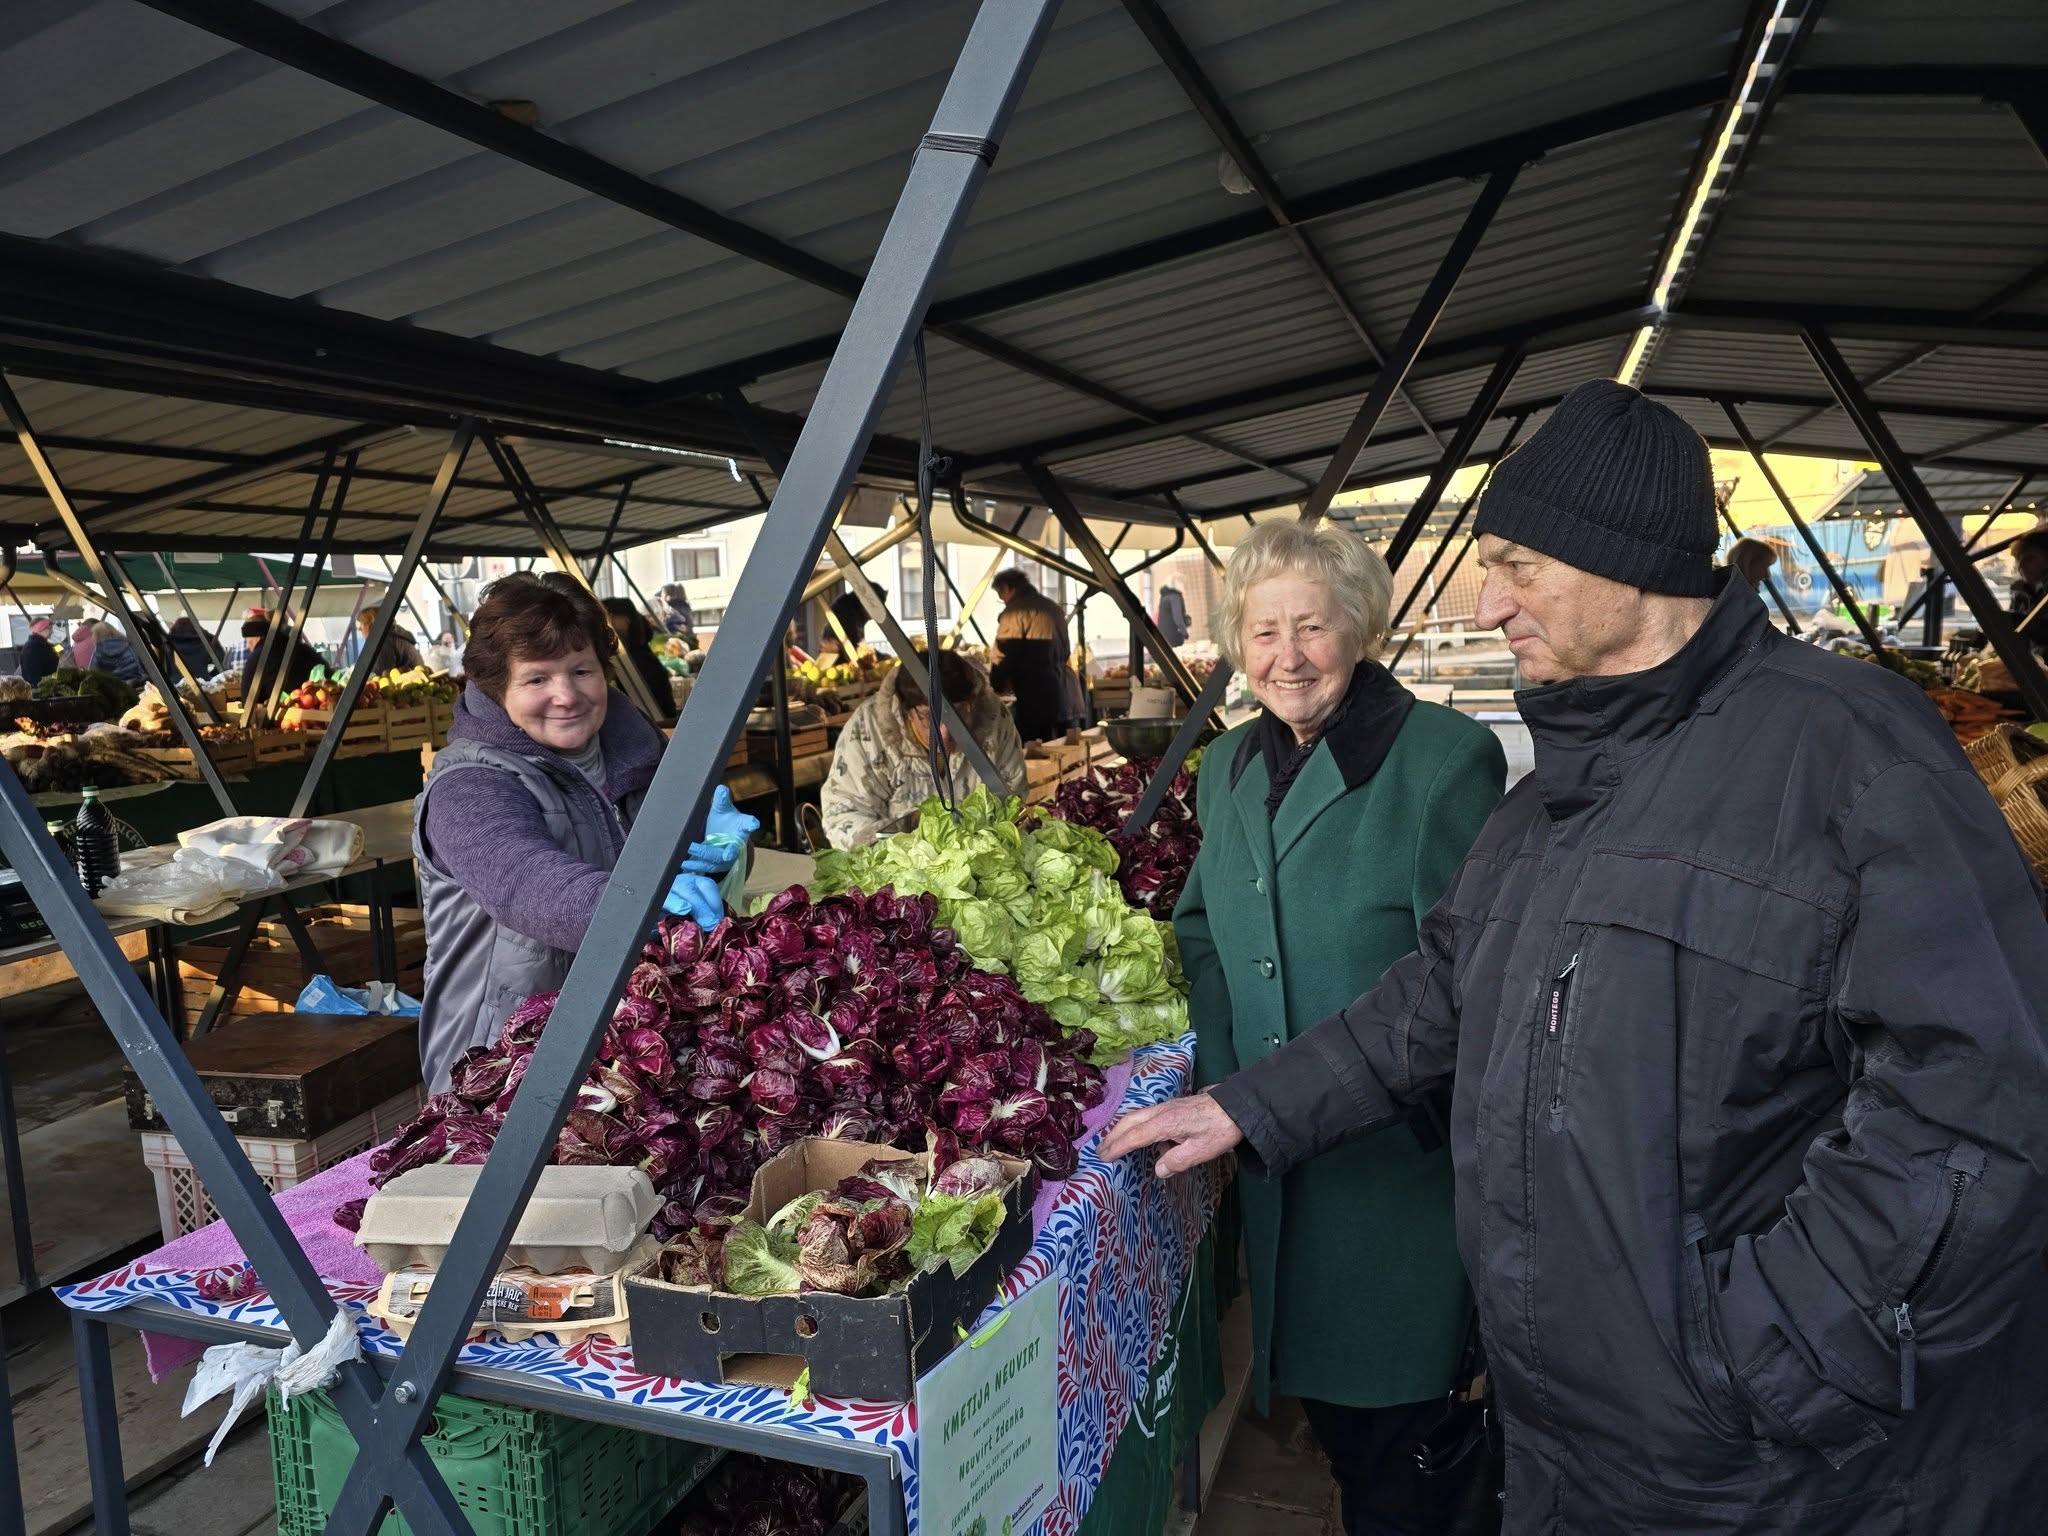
x,y
2015,766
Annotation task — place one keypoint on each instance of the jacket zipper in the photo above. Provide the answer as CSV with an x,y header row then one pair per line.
x,y
1560,1018
1902,1314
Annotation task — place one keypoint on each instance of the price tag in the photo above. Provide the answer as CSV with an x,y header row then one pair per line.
x,y
988,1424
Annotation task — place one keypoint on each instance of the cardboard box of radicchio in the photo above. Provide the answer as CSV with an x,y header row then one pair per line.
x,y
871,1347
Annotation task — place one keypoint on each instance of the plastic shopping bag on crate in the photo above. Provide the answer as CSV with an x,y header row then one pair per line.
x,y
323,996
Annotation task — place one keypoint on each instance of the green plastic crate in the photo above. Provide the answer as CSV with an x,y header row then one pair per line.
x,y
514,1471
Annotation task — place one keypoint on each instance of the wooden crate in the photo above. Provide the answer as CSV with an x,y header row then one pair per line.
x,y
812,739
237,756
363,735
272,974
267,747
441,716
408,726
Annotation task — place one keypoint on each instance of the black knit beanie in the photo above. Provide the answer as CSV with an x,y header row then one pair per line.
x,y
1615,484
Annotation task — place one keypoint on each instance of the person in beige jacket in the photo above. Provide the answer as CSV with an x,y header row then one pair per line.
x,y
881,769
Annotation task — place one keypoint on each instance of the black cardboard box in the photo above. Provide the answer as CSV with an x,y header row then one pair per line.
x,y
855,1346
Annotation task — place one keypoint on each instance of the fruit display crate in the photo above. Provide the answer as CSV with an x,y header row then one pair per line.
x,y
407,726
512,1471
182,1203
273,975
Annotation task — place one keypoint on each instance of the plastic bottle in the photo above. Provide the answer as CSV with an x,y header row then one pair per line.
x,y
94,849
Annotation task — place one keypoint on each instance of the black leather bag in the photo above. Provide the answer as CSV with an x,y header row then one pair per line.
x,y
1459,1463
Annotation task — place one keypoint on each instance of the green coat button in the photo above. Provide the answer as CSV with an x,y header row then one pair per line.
x,y
1265,968
1259,885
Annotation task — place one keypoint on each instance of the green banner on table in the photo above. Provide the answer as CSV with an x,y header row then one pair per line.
x,y
988,1424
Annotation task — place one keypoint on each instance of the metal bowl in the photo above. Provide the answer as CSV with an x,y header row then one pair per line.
x,y
1140,738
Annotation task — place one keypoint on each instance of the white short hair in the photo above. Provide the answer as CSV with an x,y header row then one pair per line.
x,y
1351,568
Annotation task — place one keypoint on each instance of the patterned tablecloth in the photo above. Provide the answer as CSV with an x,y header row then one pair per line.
x,y
1119,1242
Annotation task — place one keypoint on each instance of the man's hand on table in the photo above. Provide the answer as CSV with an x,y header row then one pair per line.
x,y
1197,1128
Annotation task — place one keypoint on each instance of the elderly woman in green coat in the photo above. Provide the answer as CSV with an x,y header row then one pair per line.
x,y
1330,824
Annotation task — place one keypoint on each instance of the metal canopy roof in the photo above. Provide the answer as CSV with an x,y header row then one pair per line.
x,y
230,230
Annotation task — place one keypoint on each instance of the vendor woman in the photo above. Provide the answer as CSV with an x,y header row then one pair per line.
x,y
526,810
881,769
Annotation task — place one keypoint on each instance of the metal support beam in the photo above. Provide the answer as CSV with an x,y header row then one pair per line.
x,y
848,565
408,562
1457,522
273,655
1194,82
1010,539
1484,404
170,580
624,673
1977,556
174,498
1449,574
946,171
110,575
1820,556
1193,528
2019,657
1428,310
1110,580
1770,586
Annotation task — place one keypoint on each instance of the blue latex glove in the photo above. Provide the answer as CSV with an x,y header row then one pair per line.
x,y
726,830
695,896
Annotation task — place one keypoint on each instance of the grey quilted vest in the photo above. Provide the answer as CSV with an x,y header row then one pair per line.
x,y
477,969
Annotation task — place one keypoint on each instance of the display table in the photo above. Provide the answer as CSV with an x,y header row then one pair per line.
x,y
1120,1244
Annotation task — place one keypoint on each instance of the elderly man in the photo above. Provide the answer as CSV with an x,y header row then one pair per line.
x,y
1742,994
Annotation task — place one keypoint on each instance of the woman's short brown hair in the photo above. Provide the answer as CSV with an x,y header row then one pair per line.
x,y
536,618
957,680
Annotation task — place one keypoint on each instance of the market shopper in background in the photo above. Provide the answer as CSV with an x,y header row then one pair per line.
x,y
113,655
195,646
83,641
526,810
676,618
881,769
38,657
1030,651
1750,561
264,663
2029,587
1332,823
1742,994
636,643
399,652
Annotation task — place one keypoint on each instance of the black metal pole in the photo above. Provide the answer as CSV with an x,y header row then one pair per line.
x,y
458,621
96,1401
1999,509
1484,404
1841,588
17,1190
948,168
296,623
1770,586
1450,572
2018,656
408,562
1408,346
103,572
1457,522
199,692
227,612
786,831
611,529
272,654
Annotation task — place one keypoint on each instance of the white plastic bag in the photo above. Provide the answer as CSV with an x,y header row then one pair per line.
x,y
189,887
246,1369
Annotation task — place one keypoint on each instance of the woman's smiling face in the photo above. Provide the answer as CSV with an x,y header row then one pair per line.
x,y
1297,655
559,701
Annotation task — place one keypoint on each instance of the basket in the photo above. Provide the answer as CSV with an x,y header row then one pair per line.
x,y
181,1200
2014,765
512,1471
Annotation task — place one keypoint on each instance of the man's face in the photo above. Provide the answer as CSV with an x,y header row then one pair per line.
x,y
1561,622
2033,564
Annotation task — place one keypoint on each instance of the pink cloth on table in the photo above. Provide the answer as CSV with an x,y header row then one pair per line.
x,y
308,1209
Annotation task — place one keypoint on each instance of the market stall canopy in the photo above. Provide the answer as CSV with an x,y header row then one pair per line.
x,y
237,231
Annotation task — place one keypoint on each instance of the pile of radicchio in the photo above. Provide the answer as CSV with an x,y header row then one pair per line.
x,y
753,1496
853,1016
1152,865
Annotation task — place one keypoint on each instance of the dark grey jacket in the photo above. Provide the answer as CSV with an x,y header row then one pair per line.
x,y
1743,992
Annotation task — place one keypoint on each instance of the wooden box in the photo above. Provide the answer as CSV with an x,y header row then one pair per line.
x,y
363,735
272,974
295,1075
441,718
761,745
407,726
266,746
236,756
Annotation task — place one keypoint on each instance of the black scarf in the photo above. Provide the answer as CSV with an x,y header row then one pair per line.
x,y
1360,732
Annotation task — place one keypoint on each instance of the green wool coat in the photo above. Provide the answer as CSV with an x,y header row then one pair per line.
x,y
1358,1295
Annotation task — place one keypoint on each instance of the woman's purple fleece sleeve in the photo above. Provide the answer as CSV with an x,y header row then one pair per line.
x,y
496,845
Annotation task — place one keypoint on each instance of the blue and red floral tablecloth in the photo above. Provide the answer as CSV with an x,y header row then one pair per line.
x,y
1119,1242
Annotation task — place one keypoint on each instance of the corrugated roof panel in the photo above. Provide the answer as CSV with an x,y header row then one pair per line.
x,y
1332,91
2013,379
1903,203
1738,362
1880,32
1148,464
